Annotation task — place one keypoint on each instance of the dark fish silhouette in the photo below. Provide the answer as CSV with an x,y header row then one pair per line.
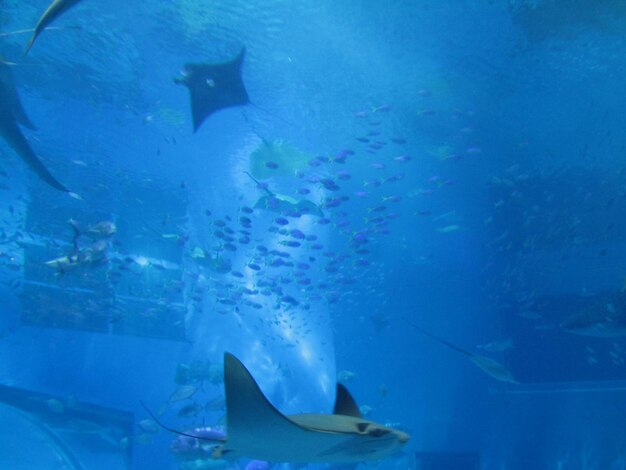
x,y
11,114
213,87
56,9
486,364
605,318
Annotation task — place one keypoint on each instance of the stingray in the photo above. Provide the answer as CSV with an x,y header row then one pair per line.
x,y
213,87
257,430
12,114
491,367
283,204
56,9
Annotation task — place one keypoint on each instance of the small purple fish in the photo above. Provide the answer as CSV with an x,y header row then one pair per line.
x,y
281,221
341,158
271,165
303,191
295,233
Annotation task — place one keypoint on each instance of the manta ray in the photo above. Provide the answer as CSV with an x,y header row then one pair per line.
x,y
213,87
11,115
56,9
491,367
257,430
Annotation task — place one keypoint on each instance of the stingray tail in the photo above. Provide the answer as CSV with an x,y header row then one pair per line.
x,y
175,431
258,183
436,338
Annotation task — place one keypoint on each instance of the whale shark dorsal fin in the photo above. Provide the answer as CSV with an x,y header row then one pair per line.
x,y
345,404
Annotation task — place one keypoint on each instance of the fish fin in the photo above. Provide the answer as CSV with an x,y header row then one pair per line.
x,y
345,404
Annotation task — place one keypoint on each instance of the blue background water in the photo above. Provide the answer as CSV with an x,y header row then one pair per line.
x,y
510,218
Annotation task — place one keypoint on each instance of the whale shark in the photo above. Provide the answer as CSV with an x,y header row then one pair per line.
x,y
56,9
12,115
488,365
213,87
257,430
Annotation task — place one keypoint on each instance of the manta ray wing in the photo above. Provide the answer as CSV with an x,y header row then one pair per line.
x,y
12,104
11,112
213,87
56,9
14,137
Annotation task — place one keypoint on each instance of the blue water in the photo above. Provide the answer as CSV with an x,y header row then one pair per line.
x,y
466,158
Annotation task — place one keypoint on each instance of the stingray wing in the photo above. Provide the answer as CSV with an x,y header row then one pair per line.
x,y
257,430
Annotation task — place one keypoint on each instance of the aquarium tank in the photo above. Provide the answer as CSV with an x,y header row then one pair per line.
x,y
326,235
